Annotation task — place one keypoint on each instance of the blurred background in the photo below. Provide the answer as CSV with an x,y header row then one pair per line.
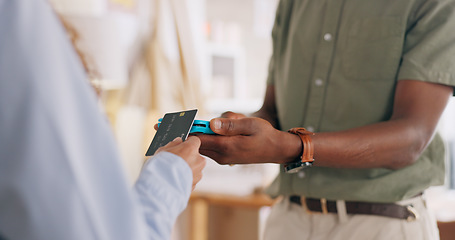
x,y
150,57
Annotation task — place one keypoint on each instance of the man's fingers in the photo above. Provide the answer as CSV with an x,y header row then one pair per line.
x,y
229,127
216,156
210,143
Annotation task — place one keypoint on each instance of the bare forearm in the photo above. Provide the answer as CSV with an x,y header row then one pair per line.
x,y
392,144
395,143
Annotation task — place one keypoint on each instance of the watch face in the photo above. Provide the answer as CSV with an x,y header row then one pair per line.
x,y
296,166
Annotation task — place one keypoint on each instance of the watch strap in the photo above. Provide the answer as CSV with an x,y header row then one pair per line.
x,y
307,144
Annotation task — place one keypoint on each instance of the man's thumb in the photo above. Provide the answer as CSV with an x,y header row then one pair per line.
x,y
228,126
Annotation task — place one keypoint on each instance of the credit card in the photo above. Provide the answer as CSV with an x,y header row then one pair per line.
x,y
199,126
173,125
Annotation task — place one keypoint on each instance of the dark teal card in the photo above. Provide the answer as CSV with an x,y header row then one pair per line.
x,y
173,125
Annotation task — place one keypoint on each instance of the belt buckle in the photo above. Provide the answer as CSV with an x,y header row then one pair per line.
x,y
412,210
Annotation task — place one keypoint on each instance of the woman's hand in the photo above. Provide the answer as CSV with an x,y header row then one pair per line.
x,y
189,151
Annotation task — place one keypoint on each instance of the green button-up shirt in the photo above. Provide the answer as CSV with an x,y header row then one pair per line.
x,y
335,66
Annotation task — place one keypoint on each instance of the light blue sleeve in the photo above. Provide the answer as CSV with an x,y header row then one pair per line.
x,y
60,172
163,180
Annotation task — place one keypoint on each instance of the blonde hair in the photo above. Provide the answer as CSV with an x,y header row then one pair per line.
x,y
74,38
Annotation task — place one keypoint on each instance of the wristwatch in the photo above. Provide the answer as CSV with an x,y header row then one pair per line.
x,y
306,160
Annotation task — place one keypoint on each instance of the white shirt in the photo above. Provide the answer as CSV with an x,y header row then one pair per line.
x,y
60,170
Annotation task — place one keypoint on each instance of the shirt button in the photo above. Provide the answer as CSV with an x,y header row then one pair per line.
x,y
310,128
327,37
318,82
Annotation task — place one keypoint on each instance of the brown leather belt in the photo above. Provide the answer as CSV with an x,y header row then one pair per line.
x,y
379,209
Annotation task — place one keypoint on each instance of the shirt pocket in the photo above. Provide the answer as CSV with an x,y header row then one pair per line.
x,y
372,49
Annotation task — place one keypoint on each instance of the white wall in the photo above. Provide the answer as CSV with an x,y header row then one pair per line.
x,y
245,27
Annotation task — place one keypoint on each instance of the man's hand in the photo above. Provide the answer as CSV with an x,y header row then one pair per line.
x,y
248,140
189,151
